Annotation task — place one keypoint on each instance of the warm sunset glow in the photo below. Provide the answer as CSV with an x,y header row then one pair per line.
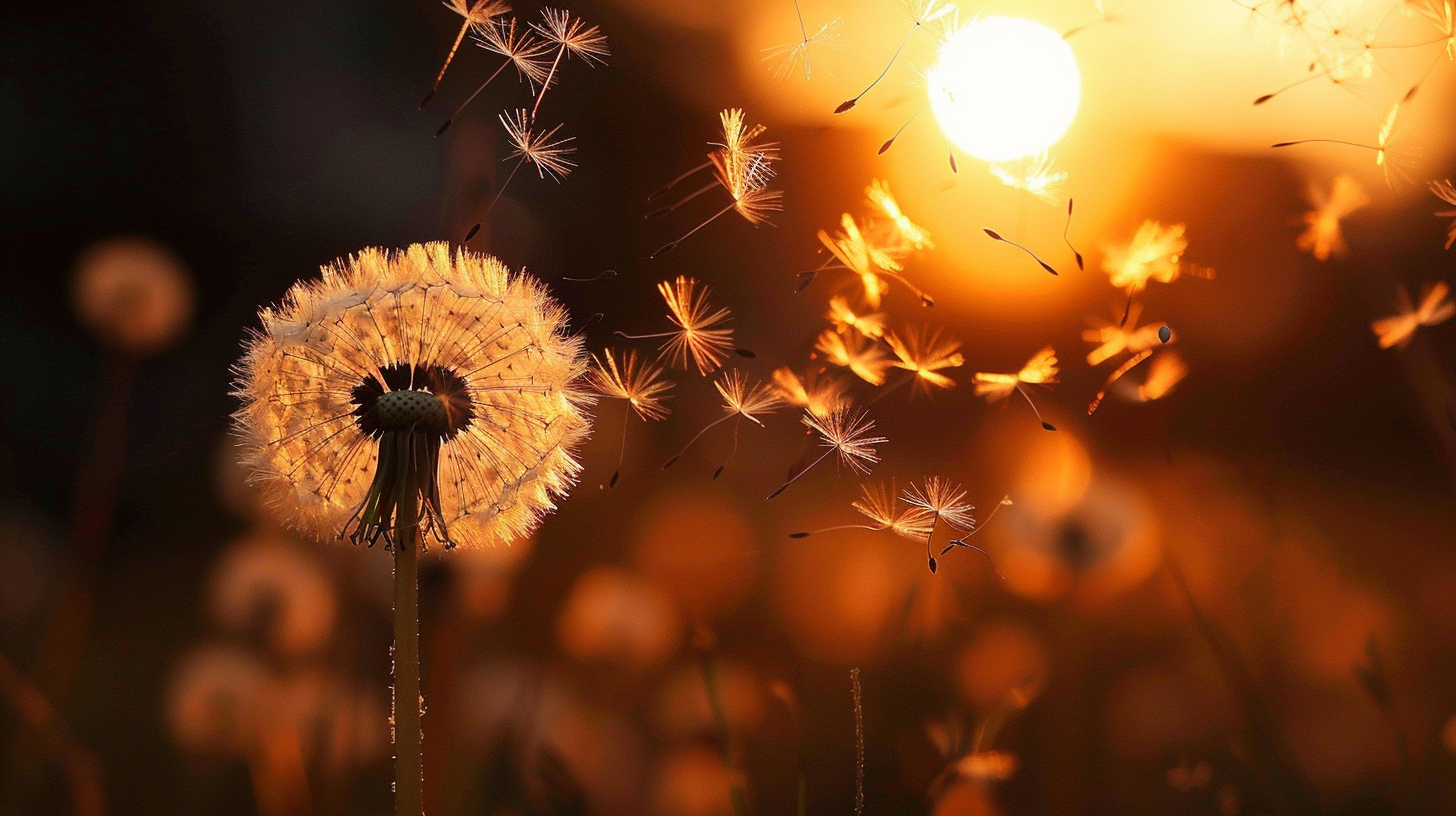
x,y
1004,88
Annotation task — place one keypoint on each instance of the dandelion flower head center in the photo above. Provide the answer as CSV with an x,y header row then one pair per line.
x,y
1004,88
430,398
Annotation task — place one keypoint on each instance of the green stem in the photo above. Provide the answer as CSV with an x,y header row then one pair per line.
x,y
715,704
408,742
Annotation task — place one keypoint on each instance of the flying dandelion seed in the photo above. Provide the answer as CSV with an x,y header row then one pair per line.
x,y
741,400
526,53
925,354
478,13
572,37
789,57
928,14
845,432
996,236
1385,156
869,258
1166,370
941,501
905,235
1340,41
638,384
863,357
1397,330
817,395
1322,237
1103,16
1065,227
1032,174
408,396
1446,193
988,766
883,507
538,148
845,319
1041,369
743,167
1155,253
702,334
1117,374
1113,339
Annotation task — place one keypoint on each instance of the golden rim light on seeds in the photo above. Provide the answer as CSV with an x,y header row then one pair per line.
x,y
484,351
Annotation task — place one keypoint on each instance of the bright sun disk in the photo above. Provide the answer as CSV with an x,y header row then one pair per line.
x,y
1004,88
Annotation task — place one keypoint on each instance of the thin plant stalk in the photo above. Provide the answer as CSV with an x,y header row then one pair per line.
x,y
408,742
545,86
82,768
715,704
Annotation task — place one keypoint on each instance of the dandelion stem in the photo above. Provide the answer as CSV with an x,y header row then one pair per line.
x,y
82,768
545,86
888,142
858,741
699,435
1047,425
666,248
851,103
795,477
407,702
625,336
450,57
663,190
497,198
874,528
471,98
661,211
715,703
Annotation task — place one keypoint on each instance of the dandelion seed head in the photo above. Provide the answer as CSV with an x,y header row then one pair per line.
x,y
215,700
477,12
816,394
746,399
392,360
944,500
638,382
537,147
881,504
267,580
864,358
1435,307
847,432
531,56
924,353
1041,369
572,34
702,333
1447,193
1322,237
1034,174
907,233
1155,253
745,167
789,57
134,294
986,766
846,319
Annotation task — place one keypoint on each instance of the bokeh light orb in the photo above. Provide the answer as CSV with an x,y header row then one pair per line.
x,y
1004,88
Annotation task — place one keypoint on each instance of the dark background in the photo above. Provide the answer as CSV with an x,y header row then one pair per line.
x,y
261,140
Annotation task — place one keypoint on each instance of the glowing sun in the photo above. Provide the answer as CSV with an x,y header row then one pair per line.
x,y
1004,88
